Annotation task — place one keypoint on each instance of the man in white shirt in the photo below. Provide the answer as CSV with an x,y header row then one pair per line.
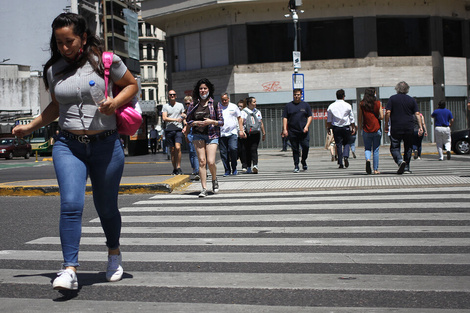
x,y
173,116
341,121
228,141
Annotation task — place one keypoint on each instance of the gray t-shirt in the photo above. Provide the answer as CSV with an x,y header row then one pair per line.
x,y
77,110
173,111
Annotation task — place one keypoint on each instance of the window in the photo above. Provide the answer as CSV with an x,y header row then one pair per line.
x,y
317,40
452,33
201,50
403,36
149,51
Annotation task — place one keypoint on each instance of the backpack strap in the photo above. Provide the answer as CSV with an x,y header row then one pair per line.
x,y
107,59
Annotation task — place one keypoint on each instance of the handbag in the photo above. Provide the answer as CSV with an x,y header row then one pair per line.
x,y
128,118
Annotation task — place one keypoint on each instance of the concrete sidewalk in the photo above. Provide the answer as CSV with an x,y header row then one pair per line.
x,y
276,175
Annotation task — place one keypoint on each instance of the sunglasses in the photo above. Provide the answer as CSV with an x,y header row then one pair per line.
x,y
172,94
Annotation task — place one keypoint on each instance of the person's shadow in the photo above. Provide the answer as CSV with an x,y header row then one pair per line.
x,y
85,279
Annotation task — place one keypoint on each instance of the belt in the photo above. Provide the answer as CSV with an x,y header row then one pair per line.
x,y
88,138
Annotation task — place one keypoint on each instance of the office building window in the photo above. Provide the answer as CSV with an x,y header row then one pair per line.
x,y
317,40
403,36
452,33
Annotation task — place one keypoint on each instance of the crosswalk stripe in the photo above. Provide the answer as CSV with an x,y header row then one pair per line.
x,y
285,230
239,257
293,200
311,193
376,206
370,242
295,217
262,281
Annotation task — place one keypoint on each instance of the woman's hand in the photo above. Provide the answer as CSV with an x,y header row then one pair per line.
x,y
21,130
108,107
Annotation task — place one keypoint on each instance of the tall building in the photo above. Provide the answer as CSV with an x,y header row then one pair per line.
x,y
246,49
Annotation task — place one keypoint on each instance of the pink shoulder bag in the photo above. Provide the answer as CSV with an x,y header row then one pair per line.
x,y
128,119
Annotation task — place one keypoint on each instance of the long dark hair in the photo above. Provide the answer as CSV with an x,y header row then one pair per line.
x,y
369,99
209,85
92,49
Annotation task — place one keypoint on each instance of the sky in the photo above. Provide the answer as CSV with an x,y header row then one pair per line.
x,y
26,30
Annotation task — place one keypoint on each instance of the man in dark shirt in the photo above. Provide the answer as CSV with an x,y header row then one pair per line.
x,y
399,111
296,120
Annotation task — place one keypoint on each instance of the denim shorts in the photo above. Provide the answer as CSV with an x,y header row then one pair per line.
x,y
205,138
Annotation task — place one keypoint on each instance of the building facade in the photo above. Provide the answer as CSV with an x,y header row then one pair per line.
x,y
246,49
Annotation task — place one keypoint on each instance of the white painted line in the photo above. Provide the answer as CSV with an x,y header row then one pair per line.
x,y
311,242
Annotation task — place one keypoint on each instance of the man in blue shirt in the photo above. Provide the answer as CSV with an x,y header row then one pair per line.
x,y
296,120
399,111
443,120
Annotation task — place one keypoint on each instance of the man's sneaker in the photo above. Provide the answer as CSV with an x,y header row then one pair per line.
x,y
244,169
448,155
114,270
248,171
304,166
415,154
65,280
179,171
235,172
346,162
227,173
215,186
203,193
175,172
255,169
354,154
401,167
196,176
368,169
296,170
341,166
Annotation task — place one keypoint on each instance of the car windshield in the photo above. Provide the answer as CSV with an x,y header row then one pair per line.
x,y
6,141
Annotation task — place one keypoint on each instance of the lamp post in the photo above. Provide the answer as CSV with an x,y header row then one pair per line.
x,y
293,5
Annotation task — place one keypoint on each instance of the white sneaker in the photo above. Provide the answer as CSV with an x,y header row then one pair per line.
x,y
65,280
114,271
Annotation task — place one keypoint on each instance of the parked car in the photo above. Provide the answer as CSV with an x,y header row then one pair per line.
x,y
461,141
14,147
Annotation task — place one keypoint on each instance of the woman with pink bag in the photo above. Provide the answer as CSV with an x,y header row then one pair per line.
x,y
88,144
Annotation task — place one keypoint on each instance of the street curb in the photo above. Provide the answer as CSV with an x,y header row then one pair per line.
x,y
166,186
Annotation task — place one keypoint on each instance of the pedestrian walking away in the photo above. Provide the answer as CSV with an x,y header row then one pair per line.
x,y
254,130
341,120
205,118
370,119
399,118
153,139
443,121
173,115
229,134
296,120
88,143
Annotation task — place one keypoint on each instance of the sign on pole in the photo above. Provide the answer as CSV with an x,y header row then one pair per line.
x,y
296,57
298,82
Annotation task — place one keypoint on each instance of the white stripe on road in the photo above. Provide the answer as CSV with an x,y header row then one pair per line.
x,y
255,195
284,230
267,281
239,257
292,200
288,207
295,218
314,242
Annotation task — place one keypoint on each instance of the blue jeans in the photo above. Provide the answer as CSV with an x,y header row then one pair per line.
x,y
302,140
228,147
192,154
103,161
417,142
372,141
